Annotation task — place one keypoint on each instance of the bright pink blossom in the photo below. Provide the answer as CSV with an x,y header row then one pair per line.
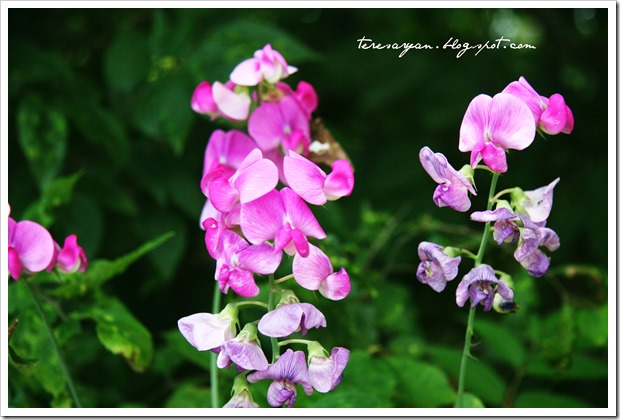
x,y
551,114
492,125
281,216
312,184
71,257
315,272
221,99
267,64
305,95
31,247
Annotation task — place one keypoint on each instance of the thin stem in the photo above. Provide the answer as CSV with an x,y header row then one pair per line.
x,y
295,340
215,308
275,348
506,191
252,302
50,333
465,252
469,330
283,279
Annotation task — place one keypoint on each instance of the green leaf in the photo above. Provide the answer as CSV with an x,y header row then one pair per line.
x,y
126,62
421,384
544,399
189,396
471,401
42,135
592,327
121,333
18,360
55,194
502,341
176,341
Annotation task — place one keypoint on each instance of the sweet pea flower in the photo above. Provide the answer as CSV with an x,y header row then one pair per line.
x,y
505,229
536,204
281,216
436,268
284,123
551,115
225,151
208,331
312,184
244,351
453,186
325,370
290,369
315,272
479,285
290,316
31,248
305,95
221,100
492,125
255,177
267,64
238,261
242,397
71,257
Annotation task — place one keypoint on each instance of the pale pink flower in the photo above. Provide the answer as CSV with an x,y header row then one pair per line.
x,y
221,100
207,331
267,65
326,372
315,272
31,248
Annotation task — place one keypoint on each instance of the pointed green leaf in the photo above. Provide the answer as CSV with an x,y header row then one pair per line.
x,y
421,384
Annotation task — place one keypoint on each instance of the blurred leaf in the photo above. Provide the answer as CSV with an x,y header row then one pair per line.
x,y
189,396
55,194
559,335
126,62
176,341
503,342
82,217
16,359
471,401
348,399
67,329
120,332
421,384
544,399
592,327
43,138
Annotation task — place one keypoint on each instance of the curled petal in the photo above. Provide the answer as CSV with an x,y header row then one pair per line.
x,y
230,104
553,119
33,244
247,73
312,270
305,178
247,356
262,218
536,263
242,282
336,286
474,123
539,203
206,331
326,373
501,213
339,183
202,99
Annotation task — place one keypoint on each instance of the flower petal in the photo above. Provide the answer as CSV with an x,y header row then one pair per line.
x,y
202,99
242,282
538,207
266,126
553,119
261,259
312,270
305,178
523,91
255,177
336,286
233,106
247,356
205,331
339,183
474,123
300,215
247,73
262,218
312,318
282,321
222,194
34,245
511,122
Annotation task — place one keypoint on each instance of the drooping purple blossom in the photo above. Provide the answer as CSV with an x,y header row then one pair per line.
x,y
492,125
289,318
453,186
266,65
209,331
436,268
315,272
326,372
31,248
244,351
480,285
538,203
290,369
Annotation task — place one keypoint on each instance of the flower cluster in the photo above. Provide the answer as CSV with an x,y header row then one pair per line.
x,y
32,249
490,127
250,224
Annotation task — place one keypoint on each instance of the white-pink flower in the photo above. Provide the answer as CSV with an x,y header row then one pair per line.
x,y
315,272
207,331
31,248
267,64
221,100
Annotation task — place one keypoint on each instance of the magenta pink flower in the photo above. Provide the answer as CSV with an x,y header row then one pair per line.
x,y
221,100
326,372
31,248
289,318
226,150
551,114
312,184
208,331
281,216
492,125
267,64
71,257
237,262
254,178
453,186
305,95
315,272
284,123
290,369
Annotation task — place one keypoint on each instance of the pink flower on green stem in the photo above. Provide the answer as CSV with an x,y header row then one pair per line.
x,y
453,186
315,272
289,318
267,65
71,257
221,100
244,351
493,125
312,184
551,115
283,217
31,248
207,331
305,95
326,372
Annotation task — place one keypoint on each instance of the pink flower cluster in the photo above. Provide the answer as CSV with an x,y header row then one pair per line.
x,y
32,249
259,187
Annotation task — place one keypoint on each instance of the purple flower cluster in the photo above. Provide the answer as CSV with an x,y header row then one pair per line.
x,y
491,126
258,187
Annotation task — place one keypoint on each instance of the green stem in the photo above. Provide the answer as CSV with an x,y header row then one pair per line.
x,y
252,302
295,340
469,330
506,191
283,279
217,297
275,348
61,361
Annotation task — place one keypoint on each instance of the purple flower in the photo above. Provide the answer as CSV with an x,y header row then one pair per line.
x,y
492,125
436,268
315,272
290,369
551,114
208,331
243,399
326,372
281,216
453,186
505,230
267,64
537,204
312,184
289,318
71,257
479,285
31,248
244,351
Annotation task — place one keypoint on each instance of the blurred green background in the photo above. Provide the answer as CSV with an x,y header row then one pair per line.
x,y
105,94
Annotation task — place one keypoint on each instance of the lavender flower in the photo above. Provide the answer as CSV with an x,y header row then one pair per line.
x,y
479,285
326,372
436,268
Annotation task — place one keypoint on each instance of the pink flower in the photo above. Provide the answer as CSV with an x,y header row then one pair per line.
x,y
312,184
315,272
208,331
551,114
71,257
284,123
305,95
254,178
31,248
244,351
281,216
267,64
221,99
326,372
289,318
453,186
491,125
237,262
